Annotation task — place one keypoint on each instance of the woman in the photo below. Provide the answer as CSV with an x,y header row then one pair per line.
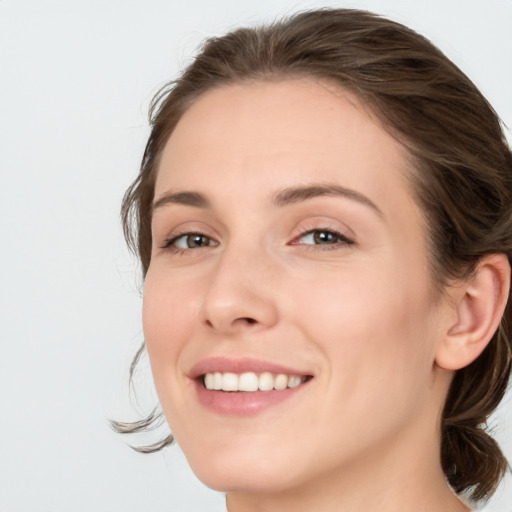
x,y
323,218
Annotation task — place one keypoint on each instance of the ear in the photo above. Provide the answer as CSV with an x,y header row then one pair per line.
x,y
478,306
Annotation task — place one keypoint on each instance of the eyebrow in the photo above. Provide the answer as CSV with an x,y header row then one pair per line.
x,y
282,198
184,198
298,194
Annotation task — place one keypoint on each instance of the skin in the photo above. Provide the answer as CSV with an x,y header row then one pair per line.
x,y
358,315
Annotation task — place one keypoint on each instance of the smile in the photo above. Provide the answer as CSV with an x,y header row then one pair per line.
x,y
246,386
250,381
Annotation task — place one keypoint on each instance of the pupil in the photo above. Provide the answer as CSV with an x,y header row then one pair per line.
x,y
197,241
324,237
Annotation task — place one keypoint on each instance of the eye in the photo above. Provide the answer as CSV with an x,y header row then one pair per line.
x,y
322,237
189,241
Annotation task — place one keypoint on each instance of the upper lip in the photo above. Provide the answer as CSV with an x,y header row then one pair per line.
x,y
241,365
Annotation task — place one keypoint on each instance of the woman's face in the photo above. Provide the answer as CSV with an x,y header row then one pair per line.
x,y
286,242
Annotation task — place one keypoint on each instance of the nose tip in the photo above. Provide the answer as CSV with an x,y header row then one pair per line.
x,y
244,313
235,300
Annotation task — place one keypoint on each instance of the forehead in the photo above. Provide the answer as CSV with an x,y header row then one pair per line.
x,y
280,133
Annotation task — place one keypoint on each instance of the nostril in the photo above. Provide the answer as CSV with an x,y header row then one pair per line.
x,y
247,320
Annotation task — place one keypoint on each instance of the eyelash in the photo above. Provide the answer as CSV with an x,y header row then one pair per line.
x,y
169,244
343,240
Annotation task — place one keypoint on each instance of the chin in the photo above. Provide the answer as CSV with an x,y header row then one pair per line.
x,y
246,480
250,470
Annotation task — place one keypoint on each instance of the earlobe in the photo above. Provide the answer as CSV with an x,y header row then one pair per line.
x,y
479,305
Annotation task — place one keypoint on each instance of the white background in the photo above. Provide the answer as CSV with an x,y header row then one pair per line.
x,y
75,81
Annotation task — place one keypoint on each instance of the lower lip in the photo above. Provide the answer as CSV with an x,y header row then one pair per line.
x,y
242,403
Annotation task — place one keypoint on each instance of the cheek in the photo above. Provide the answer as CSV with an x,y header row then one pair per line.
x,y
375,328
167,321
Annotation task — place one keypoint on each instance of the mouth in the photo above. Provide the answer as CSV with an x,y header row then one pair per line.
x,y
251,382
245,387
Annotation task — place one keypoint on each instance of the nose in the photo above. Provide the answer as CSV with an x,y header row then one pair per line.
x,y
238,295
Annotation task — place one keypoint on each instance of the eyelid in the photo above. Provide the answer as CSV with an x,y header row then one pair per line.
x,y
165,240
323,223
307,226
344,240
173,238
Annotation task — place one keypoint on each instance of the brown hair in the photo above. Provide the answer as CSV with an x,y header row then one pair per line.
x,y
462,175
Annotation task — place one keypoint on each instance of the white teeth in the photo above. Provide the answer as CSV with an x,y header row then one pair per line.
x,y
294,381
250,381
209,381
281,381
229,382
266,382
217,381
